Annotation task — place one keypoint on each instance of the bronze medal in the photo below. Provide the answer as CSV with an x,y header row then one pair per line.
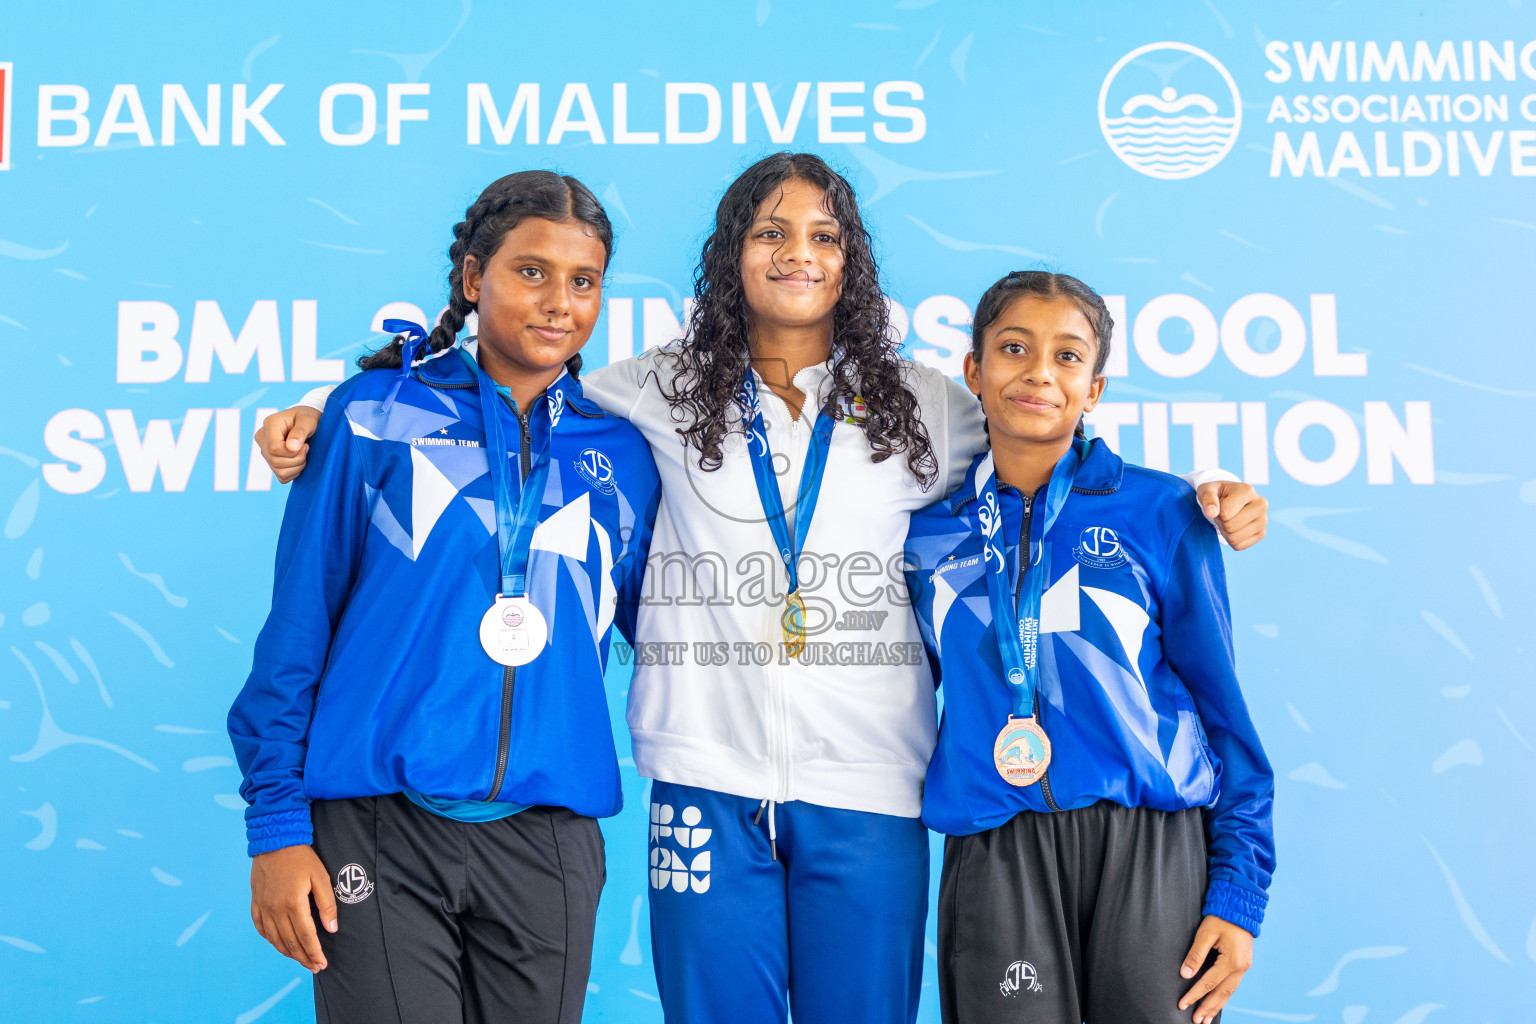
x,y
1022,752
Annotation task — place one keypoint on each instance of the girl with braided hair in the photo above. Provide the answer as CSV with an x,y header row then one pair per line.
x,y
504,203
424,734
788,865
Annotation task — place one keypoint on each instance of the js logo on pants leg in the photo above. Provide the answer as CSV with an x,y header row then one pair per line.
x,y
1021,976
352,884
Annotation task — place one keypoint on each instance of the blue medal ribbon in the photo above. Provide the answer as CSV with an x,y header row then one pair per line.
x,y
516,516
1018,628
768,484
415,337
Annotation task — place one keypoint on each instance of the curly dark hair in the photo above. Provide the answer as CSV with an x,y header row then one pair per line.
x,y
505,203
711,361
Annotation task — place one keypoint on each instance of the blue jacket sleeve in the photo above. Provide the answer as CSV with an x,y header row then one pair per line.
x,y
646,499
318,550
1197,640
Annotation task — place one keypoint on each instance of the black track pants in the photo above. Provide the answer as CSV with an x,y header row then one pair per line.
x,y
1072,916
450,922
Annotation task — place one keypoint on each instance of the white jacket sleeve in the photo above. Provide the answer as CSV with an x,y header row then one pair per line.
x,y
616,387
964,434
1198,477
315,398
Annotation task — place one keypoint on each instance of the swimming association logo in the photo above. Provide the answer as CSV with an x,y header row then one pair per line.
x,y
1170,110
5,116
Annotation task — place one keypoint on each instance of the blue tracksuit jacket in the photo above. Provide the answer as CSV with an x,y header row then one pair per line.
x,y
1138,691
369,677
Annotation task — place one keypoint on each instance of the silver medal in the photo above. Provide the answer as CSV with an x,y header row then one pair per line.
x,y
513,631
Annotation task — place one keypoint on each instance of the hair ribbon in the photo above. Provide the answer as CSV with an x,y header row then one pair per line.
x,y
415,338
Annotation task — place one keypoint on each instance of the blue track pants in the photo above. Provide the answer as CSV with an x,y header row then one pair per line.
x,y
832,928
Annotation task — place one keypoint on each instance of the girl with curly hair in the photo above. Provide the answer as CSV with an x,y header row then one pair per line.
x,y
788,863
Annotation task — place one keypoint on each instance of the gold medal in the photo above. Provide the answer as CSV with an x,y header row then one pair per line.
x,y
1022,752
794,624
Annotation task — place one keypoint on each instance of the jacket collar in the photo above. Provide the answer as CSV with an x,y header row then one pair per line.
x,y
1100,473
449,369
815,380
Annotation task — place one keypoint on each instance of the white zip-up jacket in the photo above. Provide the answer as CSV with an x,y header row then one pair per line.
x,y
714,702
849,724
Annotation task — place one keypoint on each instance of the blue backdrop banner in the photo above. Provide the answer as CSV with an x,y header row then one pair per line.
x,y
1314,223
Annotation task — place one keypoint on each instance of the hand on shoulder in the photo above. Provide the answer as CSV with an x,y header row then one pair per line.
x,y
283,440
1239,513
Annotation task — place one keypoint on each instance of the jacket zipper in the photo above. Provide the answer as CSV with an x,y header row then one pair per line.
x,y
503,743
1024,553
509,674
786,762
1045,780
781,706
783,766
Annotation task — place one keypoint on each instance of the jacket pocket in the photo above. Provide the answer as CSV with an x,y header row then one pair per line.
x,y
1193,728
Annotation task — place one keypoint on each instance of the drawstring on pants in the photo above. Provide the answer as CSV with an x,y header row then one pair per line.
x,y
773,834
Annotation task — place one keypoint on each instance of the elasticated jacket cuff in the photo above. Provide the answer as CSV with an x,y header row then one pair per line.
x,y
1242,907
267,832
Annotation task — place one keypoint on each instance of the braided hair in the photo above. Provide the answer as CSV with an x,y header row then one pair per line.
x,y
505,203
1045,285
703,394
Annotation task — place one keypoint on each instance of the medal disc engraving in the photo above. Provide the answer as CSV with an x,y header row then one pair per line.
x,y
513,631
794,624
1022,752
